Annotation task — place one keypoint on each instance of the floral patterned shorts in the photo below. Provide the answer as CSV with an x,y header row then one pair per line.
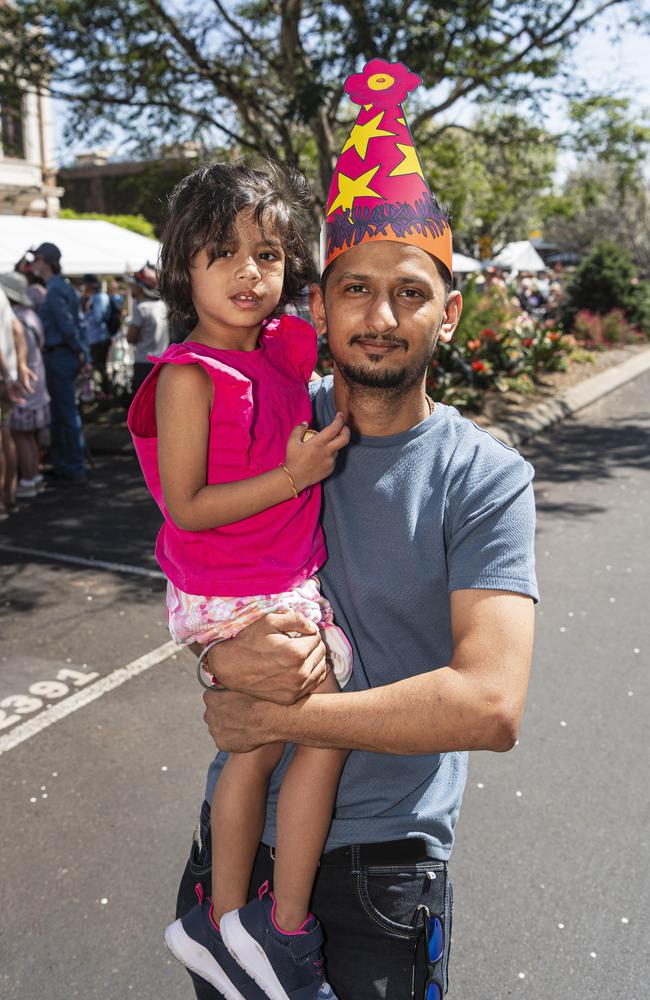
x,y
193,618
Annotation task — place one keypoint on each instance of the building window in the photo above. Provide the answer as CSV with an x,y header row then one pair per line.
x,y
11,132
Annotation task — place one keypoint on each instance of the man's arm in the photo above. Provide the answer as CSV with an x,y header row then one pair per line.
x,y
474,703
67,323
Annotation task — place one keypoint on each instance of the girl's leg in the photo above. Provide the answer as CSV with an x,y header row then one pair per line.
x,y
237,820
10,466
305,808
27,450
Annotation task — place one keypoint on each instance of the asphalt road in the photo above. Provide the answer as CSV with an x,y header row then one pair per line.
x,y
102,768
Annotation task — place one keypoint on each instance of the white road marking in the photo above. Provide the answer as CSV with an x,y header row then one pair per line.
x,y
81,698
21,550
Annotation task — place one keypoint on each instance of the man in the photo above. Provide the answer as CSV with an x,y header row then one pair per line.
x,y
429,526
148,329
66,355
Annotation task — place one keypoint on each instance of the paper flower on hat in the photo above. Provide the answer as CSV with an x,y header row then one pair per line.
x,y
381,84
378,190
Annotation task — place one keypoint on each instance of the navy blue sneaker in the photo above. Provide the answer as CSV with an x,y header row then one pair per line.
x,y
196,942
286,966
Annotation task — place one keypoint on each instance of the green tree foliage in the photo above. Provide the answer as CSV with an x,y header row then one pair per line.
x,y
607,279
136,223
495,175
607,196
266,76
591,207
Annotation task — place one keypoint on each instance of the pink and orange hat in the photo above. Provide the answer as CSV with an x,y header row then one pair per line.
x,y
378,191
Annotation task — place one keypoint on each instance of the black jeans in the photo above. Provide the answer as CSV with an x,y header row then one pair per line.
x,y
366,913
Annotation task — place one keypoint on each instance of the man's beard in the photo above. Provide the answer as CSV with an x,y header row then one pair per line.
x,y
400,379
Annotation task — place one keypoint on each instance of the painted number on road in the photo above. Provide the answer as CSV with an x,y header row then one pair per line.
x,y
16,705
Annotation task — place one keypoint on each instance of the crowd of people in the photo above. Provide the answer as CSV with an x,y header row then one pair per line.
x,y
539,293
58,346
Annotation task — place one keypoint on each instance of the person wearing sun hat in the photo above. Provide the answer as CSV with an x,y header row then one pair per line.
x,y
148,328
32,414
429,524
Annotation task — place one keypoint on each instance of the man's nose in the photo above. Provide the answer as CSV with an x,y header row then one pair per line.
x,y
381,316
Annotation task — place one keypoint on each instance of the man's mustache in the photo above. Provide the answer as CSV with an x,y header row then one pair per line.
x,y
380,339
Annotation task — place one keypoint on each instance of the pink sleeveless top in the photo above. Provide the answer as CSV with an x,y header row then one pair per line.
x,y
259,397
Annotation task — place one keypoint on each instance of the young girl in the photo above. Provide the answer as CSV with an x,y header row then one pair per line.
x,y
219,427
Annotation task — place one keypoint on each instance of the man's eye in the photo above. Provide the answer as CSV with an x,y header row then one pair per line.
x,y
411,293
356,288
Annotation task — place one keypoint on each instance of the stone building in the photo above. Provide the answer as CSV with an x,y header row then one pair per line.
x,y
27,171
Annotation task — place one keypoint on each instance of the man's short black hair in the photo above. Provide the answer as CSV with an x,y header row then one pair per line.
x,y
202,211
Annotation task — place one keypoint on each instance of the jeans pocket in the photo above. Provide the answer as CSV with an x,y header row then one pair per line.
x,y
389,896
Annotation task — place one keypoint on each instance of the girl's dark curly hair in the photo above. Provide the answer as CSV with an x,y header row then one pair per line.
x,y
201,215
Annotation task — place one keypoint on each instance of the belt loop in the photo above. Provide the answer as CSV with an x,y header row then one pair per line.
x,y
356,859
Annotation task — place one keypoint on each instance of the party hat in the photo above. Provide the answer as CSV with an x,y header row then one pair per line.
x,y
378,191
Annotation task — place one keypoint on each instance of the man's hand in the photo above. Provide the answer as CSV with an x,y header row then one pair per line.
x,y
279,658
238,723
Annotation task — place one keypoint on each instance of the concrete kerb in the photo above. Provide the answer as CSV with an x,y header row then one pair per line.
x,y
516,430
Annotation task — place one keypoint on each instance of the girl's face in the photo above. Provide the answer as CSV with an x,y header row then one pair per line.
x,y
241,287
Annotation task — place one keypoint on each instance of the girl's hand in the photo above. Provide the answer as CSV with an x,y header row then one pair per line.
x,y
312,460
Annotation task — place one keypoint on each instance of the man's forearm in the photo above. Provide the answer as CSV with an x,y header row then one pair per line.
x,y
431,713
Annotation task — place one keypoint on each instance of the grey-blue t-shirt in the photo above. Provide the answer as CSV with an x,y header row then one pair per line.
x,y
409,518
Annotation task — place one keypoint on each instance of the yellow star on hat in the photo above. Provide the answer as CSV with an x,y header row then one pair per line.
x,y
409,165
350,188
361,135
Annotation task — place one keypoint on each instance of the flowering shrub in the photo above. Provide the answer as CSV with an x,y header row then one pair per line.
x,y
498,345
602,331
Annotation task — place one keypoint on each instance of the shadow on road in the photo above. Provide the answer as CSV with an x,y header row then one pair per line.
x,y
577,451
112,517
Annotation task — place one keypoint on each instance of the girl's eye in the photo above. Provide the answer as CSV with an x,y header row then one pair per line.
x,y
223,253
269,255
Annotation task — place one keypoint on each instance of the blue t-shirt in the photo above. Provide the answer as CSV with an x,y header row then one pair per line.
x,y
409,518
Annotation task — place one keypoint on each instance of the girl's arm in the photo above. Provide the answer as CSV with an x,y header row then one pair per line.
x,y
183,401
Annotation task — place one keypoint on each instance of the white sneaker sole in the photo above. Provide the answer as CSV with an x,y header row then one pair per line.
x,y
250,955
198,959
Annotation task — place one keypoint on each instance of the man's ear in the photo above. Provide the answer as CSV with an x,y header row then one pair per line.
x,y
317,308
453,309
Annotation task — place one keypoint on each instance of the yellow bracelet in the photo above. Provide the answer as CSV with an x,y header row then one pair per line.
x,y
293,485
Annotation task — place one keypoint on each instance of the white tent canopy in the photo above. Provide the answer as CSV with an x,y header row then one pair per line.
x,y
87,246
463,264
520,256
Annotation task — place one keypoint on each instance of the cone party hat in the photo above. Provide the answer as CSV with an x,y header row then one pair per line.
x,y
378,190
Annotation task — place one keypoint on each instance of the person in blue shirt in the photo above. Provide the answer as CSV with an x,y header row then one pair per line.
x,y
66,355
97,311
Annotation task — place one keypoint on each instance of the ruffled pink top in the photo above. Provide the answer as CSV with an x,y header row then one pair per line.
x,y
259,397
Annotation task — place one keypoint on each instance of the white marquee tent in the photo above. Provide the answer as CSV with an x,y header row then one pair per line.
x,y
87,246
464,265
520,256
